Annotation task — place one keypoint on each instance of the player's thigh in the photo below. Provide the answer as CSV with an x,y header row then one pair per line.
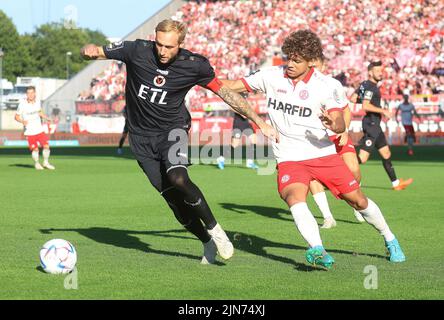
x,y
293,180
316,187
151,168
294,193
352,163
174,150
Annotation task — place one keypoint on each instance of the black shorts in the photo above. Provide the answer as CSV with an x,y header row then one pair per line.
x,y
241,127
170,151
373,137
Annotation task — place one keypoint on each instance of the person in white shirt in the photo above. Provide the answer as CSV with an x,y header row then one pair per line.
x,y
30,114
302,105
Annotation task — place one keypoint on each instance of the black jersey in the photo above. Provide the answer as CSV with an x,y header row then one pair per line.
x,y
369,91
155,92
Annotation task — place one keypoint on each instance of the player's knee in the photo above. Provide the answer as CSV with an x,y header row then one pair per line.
x,y
179,180
363,159
361,202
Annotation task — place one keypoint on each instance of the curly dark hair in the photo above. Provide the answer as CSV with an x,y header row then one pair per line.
x,y
303,43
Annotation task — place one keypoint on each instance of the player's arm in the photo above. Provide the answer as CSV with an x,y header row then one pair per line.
x,y
333,120
343,137
235,85
92,52
368,107
241,106
415,113
43,116
18,118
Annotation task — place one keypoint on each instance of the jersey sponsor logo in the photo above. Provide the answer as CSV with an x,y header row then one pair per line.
x,y
144,92
159,81
289,108
282,91
164,72
114,45
303,94
285,178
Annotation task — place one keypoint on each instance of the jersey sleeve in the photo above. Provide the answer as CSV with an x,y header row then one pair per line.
x,y
121,50
255,82
205,74
368,94
336,99
19,110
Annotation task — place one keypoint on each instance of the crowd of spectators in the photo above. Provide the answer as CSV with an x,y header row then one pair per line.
x,y
109,85
239,36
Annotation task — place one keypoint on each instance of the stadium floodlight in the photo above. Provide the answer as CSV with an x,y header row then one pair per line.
x,y
1,85
68,55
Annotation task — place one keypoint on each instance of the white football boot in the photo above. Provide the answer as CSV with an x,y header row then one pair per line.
x,y
210,252
38,166
48,166
329,223
223,244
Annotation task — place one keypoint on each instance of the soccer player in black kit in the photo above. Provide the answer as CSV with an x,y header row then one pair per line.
x,y
369,95
159,75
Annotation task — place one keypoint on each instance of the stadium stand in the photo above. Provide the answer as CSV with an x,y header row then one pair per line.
x,y
241,36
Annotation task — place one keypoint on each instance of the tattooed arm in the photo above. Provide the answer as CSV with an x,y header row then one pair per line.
x,y
241,106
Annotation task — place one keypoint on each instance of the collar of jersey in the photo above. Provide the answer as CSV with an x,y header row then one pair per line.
x,y
305,79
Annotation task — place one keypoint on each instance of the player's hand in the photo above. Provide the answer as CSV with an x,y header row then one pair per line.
x,y
387,113
343,138
270,132
90,51
325,119
25,123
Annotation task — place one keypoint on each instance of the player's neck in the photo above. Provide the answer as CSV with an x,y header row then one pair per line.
x,y
373,80
30,101
299,77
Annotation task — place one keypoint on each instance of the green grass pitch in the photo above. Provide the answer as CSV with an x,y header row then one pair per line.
x,y
130,246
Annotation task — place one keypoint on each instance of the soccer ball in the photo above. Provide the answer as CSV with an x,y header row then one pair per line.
x,y
58,256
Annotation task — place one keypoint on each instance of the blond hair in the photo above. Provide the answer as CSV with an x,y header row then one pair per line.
x,y
169,25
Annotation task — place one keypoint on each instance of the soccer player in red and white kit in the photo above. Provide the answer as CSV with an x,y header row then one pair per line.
x,y
30,114
302,105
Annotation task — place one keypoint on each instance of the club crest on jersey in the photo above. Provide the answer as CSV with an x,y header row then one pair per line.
x,y
285,178
303,94
368,142
159,81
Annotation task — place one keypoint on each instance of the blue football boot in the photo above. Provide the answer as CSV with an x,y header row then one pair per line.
x,y
396,254
319,257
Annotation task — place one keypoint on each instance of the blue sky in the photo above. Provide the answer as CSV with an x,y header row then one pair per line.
x,y
115,18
